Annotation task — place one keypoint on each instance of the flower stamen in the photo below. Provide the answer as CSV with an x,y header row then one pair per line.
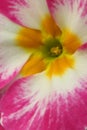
x,y
55,51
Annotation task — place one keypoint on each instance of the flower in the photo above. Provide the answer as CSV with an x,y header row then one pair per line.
x,y
43,52
1,128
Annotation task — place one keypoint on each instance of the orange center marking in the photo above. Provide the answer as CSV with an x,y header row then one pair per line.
x,y
59,66
70,41
33,39
34,65
50,27
29,38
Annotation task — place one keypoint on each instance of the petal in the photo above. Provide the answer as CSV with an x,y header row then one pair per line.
x,y
10,53
27,12
1,128
40,103
1,93
71,14
80,57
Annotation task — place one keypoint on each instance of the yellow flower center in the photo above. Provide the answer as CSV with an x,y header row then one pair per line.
x,y
51,48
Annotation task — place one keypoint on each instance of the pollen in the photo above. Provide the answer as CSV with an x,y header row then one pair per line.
x,y
55,51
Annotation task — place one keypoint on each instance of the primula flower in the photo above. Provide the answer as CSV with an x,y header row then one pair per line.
x,y
43,60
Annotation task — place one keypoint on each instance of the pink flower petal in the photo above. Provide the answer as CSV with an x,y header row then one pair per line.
x,y
1,93
70,14
39,103
1,128
27,12
35,103
10,53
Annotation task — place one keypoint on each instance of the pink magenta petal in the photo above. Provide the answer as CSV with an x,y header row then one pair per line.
x,y
71,14
1,128
26,12
37,103
4,82
2,91
24,108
